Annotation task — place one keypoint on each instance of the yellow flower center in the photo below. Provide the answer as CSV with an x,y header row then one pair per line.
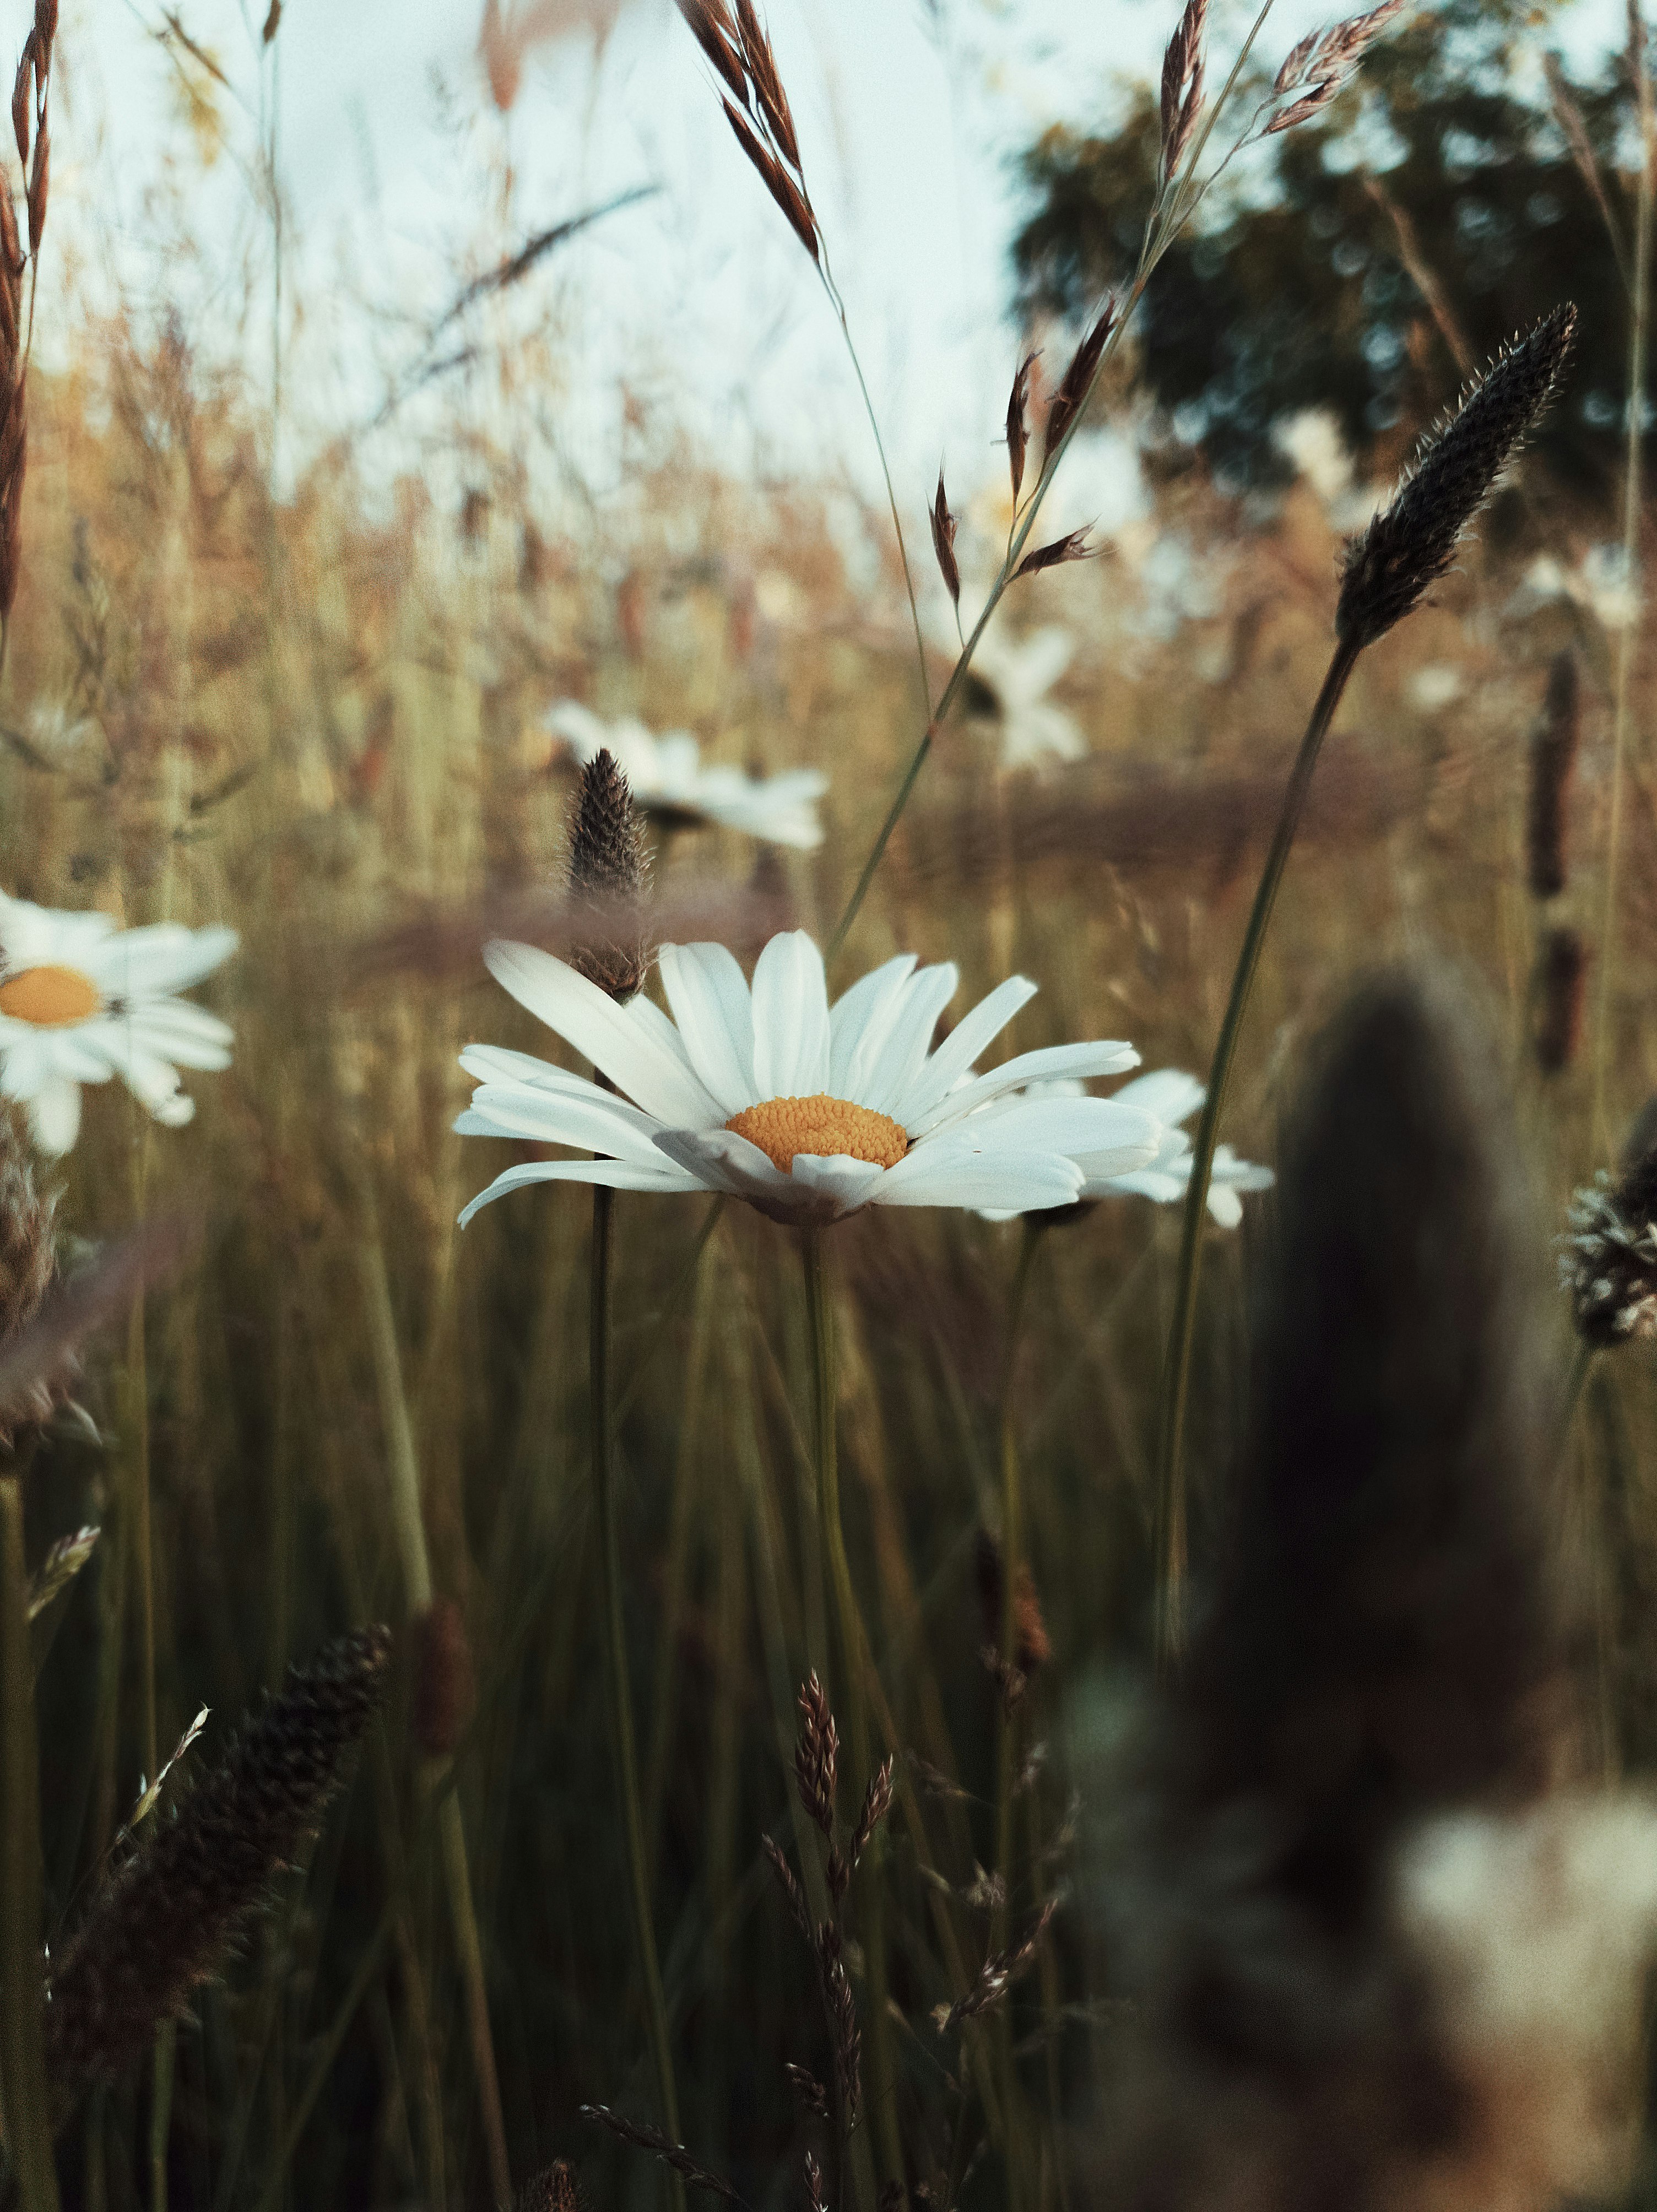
x,y
823,1127
49,998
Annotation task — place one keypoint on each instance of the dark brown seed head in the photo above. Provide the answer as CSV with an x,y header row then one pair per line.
x,y
445,1685
1553,760
943,544
21,106
711,28
1018,436
1560,985
1032,1647
607,872
558,2190
778,181
816,1754
1074,547
1072,394
38,189
1412,541
1182,84
814,2197
165,1920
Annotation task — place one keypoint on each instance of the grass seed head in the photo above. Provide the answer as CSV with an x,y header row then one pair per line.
x,y
816,1754
557,2189
165,1920
1018,434
1413,540
943,544
606,869
1078,380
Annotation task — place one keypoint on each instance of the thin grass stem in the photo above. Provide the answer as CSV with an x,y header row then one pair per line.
x,y
1176,1371
622,1743
1628,637
22,1967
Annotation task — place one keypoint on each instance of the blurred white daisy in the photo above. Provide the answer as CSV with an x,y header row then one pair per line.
x,y
807,1111
1169,1097
1007,684
81,1000
669,782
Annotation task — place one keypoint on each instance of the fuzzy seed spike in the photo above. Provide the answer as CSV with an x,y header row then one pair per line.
x,y
165,1921
1412,541
606,871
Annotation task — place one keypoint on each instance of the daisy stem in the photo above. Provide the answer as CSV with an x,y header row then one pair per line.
x,y
853,1661
22,1976
1175,1369
1012,1560
621,1703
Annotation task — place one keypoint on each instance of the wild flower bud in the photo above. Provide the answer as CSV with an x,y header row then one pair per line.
x,y
1412,541
1553,762
607,871
444,1686
165,1920
1560,984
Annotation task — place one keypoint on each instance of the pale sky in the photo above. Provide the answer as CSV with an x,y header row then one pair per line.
x,y
389,156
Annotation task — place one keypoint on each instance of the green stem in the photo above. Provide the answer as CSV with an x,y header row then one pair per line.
x,y
22,1975
1012,1556
621,1703
1175,1371
854,1701
1626,639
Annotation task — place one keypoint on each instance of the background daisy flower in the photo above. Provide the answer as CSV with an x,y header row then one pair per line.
x,y
1010,683
807,1111
1173,1097
82,1000
669,782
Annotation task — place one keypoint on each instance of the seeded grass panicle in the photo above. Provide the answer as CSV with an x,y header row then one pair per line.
x,y
1608,1257
165,1922
1412,541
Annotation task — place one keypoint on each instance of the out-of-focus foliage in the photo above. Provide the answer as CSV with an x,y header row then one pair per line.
x,y
1301,286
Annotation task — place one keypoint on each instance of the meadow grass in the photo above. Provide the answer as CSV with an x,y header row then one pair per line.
x,y
322,723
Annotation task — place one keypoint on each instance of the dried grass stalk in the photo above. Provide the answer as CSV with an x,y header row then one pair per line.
x,y
691,2170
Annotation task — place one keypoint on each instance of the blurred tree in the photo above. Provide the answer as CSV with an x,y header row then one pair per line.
x,y
1364,261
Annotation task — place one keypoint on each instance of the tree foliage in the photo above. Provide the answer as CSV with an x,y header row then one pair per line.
x,y
1435,205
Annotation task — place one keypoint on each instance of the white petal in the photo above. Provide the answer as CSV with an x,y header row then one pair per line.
x,y
841,1183
149,962
1139,1182
1103,1057
23,1065
1241,1175
1167,1092
496,1063
889,1061
634,1059
1015,1182
54,1114
176,1031
856,1010
790,1019
861,1023
1040,659
580,729
971,1035
1224,1205
615,1174
723,1161
709,995
1091,1131
609,1125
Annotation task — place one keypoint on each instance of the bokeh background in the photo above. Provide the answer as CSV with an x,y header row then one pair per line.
x,y
312,545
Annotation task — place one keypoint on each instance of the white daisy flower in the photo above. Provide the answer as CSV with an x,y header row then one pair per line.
x,y
1169,1097
1172,1097
668,780
81,1000
807,1111
1013,677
